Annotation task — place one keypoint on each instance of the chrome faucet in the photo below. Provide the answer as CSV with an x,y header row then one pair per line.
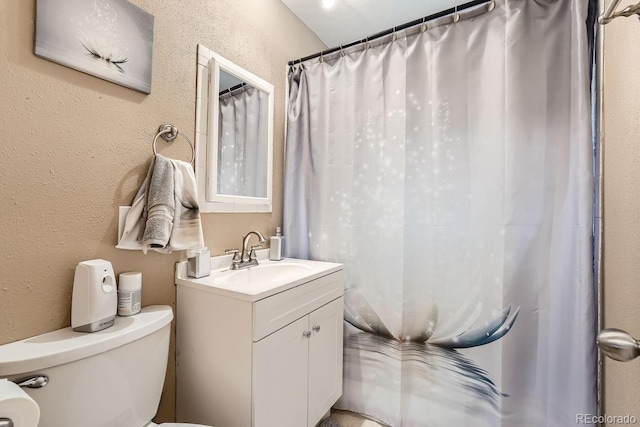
x,y
248,257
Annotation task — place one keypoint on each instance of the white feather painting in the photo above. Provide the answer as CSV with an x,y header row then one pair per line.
x,y
110,39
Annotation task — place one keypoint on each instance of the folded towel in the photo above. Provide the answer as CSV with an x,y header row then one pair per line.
x,y
132,230
187,228
156,213
157,217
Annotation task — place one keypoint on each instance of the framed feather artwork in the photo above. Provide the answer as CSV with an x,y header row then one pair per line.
x,y
110,39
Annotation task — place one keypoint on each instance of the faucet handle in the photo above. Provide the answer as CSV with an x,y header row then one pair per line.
x,y
252,254
235,252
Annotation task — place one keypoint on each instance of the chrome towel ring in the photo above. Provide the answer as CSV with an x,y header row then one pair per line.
x,y
169,132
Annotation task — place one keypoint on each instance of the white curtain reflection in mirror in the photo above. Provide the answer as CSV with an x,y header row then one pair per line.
x,y
242,143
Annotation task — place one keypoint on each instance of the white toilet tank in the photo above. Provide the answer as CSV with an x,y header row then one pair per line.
x,y
110,378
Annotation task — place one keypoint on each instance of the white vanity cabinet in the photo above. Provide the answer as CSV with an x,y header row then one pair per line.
x,y
255,360
298,369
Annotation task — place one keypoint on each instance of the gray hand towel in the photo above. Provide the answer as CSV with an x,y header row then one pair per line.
x,y
160,206
164,216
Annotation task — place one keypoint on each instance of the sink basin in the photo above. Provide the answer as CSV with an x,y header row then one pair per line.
x,y
257,282
265,272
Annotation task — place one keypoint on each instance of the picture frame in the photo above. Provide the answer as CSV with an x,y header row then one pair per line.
x,y
109,39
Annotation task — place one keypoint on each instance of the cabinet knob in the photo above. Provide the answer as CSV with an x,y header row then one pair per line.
x,y
316,328
306,334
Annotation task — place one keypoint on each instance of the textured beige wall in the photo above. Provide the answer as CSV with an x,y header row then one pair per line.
x,y
74,147
621,151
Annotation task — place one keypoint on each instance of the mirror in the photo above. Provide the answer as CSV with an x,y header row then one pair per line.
x,y
234,116
242,138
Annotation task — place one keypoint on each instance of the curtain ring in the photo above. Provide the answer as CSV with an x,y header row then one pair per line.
x,y
456,15
394,36
366,43
491,5
341,51
423,26
321,57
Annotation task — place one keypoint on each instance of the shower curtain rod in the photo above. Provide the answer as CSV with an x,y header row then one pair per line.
x,y
231,89
446,12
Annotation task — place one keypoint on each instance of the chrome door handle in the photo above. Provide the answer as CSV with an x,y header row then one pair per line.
x,y
618,345
316,328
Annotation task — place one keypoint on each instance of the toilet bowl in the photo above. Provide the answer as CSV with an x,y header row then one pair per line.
x,y
110,378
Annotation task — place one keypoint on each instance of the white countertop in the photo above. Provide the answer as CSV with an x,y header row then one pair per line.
x,y
252,284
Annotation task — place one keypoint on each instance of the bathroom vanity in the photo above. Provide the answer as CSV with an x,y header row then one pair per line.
x,y
261,346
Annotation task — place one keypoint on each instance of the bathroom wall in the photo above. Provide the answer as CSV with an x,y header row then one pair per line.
x,y
621,151
75,147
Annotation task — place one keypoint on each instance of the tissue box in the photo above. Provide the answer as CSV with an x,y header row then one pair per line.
x,y
198,263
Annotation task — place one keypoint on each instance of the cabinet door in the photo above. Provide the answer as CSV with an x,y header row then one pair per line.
x,y
280,377
325,359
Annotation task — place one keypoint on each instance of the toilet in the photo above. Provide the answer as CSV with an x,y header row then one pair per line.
x,y
110,378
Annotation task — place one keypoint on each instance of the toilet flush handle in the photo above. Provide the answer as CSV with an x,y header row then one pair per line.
x,y
6,422
38,381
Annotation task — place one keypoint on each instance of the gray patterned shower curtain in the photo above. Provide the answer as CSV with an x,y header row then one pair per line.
x,y
450,168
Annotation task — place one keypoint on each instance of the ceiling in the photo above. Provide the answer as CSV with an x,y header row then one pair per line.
x,y
350,20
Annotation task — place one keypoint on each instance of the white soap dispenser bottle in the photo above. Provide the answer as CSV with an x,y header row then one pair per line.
x,y
275,246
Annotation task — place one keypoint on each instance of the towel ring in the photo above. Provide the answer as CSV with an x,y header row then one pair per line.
x,y
169,132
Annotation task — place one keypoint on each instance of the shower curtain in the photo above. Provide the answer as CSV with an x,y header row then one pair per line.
x,y
242,155
449,167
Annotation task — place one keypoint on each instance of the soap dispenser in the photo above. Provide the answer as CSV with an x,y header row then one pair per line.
x,y
275,246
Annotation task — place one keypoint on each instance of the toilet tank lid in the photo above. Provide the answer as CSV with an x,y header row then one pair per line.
x,y
65,345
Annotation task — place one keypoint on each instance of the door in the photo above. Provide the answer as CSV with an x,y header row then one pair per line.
x,y
280,377
619,204
325,359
